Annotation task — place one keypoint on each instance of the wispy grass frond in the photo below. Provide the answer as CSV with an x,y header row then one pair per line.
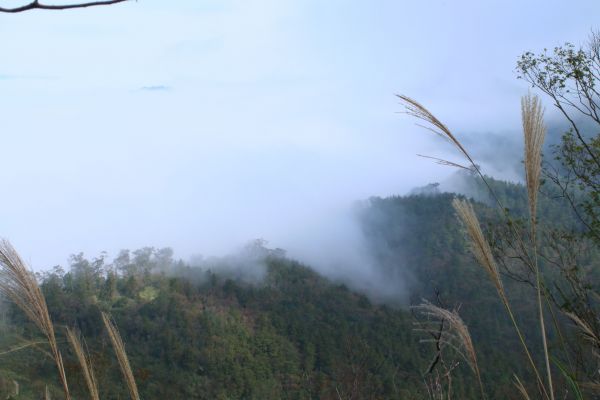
x,y
478,244
86,364
585,329
417,110
534,132
521,388
19,284
119,347
447,163
483,253
593,386
26,344
458,335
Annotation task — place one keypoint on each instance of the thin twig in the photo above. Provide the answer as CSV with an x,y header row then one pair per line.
x,y
35,5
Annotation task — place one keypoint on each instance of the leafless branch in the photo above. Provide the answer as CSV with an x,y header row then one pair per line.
x,y
35,5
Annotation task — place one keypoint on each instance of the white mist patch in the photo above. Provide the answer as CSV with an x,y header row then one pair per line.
x,y
335,245
464,183
247,264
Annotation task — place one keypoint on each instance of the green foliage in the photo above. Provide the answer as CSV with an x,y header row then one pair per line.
x,y
202,336
210,332
570,77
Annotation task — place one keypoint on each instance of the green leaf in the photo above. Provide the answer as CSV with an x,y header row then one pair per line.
x,y
569,379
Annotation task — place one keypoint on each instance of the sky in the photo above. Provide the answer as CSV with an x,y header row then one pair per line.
x,y
203,124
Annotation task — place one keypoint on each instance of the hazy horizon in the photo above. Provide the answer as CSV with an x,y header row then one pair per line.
x,y
200,125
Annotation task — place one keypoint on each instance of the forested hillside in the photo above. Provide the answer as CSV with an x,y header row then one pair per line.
x,y
222,331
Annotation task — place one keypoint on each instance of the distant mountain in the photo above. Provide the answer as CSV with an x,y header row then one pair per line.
x,y
261,326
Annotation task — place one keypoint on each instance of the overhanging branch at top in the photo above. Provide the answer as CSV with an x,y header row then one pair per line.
x,y
35,5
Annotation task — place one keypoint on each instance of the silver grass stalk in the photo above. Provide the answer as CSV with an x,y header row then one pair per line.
x,y
19,284
417,110
483,253
119,348
521,388
585,329
85,363
534,132
478,244
459,334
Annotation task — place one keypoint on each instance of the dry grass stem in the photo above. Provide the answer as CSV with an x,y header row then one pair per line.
x,y
534,132
483,253
458,336
593,386
26,344
86,364
447,163
521,388
585,328
119,347
417,110
478,244
19,284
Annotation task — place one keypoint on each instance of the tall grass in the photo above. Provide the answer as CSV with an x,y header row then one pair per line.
x,y
85,363
521,388
458,337
19,284
534,133
483,253
119,348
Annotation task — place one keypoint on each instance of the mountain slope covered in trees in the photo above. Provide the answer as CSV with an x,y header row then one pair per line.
x,y
210,332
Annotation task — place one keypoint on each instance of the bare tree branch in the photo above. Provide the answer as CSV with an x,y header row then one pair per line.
x,y
35,5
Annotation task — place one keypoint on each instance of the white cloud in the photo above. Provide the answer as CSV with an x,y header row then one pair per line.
x,y
280,113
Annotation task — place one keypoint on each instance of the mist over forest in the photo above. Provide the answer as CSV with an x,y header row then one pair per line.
x,y
224,199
